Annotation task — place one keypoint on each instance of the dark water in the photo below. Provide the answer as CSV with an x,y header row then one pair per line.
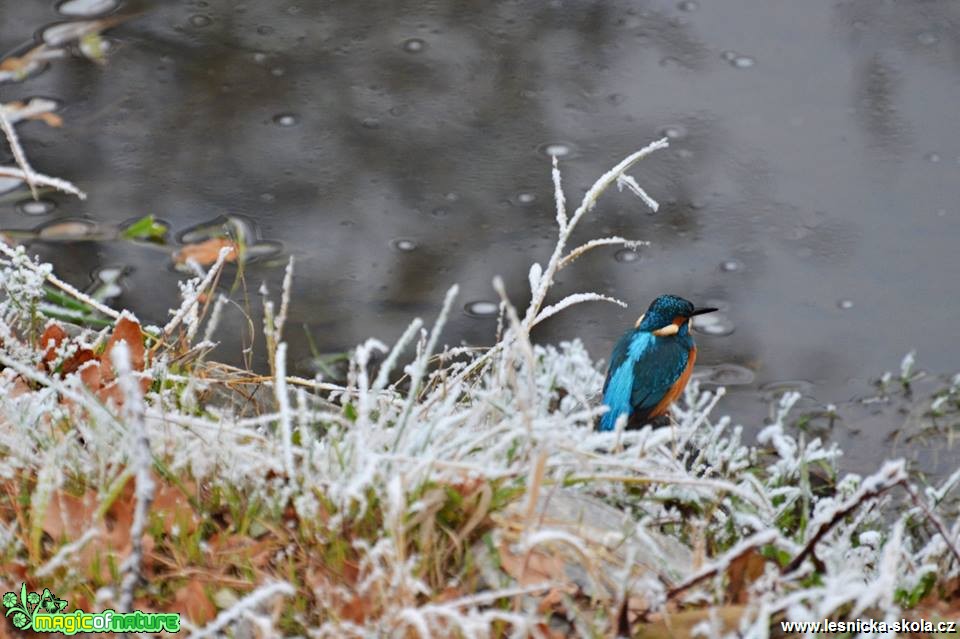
x,y
811,187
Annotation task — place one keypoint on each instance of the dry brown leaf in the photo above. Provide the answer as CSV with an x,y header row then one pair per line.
x,y
75,361
100,377
743,571
681,624
206,252
67,514
50,341
20,387
543,630
91,375
229,550
48,118
129,331
531,568
17,64
174,507
68,517
193,601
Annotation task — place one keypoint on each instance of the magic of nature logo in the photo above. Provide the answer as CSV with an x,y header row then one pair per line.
x,y
44,612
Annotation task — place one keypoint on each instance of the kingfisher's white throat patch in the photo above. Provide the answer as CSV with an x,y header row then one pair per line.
x,y
666,331
672,328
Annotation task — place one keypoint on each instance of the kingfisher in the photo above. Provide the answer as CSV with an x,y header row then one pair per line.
x,y
651,364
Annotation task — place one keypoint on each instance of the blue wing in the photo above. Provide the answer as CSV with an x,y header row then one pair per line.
x,y
655,375
642,370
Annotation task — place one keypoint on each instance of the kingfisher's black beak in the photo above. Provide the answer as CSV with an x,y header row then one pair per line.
x,y
701,311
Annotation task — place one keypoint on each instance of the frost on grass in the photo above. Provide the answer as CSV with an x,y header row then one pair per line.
x,y
463,493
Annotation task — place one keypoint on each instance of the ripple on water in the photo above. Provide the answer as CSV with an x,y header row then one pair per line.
x,y
845,304
673,131
776,389
199,20
403,245
286,119
36,207
526,198
482,309
86,8
725,375
689,6
738,60
627,255
263,249
714,324
414,45
731,266
558,149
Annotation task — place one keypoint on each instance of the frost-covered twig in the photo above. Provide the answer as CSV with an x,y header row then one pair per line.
x,y
12,253
566,228
419,367
193,298
283,409
757,540
934,519
891,475
592,244
576,298
252,601
18,155
66,552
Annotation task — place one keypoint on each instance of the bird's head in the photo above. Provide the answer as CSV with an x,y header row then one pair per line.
x,y
669,315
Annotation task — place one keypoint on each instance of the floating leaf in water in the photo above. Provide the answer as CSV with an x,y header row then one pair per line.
x,y
204,241
36,109
205,252
146,228
69,231
86,8
64,33
18,68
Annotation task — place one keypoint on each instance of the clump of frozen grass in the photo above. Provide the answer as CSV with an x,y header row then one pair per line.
x,y
444,503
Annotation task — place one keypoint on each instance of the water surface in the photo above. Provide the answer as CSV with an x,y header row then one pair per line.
x,y
811,188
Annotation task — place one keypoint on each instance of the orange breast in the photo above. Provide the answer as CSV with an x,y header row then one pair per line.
x,y
664,404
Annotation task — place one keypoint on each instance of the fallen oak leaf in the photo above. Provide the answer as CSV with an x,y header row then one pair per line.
x,y
100,377
75,361
50,340
129,331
